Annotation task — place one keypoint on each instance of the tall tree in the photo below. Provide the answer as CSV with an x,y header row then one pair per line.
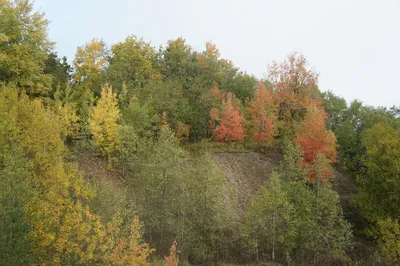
x,y
261,112
60,71
381,184
335,107
295,85
132,62
24,34
314,138
270,221
90,61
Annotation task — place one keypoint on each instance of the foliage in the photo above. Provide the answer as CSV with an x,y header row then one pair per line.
x,y
60,71
90,61
269,221
295,85
130,250
103,120
229,128
172,259
154,127
24,33
261,112
335,107
131,63
313,138
387,232
183,132
380,182
320,226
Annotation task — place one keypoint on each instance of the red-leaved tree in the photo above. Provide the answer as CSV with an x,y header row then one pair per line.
x,y
261,113
313,138
227,122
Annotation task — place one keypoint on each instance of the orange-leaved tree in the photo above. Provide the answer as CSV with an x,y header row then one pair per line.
x,y
228,122
183,132
261,114
313,138
131,250
172,259
296,85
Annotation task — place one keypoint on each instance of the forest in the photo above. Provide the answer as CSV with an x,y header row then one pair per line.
x,y
113,159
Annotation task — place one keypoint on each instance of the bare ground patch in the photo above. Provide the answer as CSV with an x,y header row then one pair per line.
x,y
246,172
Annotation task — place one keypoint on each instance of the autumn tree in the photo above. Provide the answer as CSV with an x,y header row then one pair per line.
x,y
172,258
131,250
66,109
103,120
228,121
261,112
23,34
16,188
90,61
295,85
55,209
314,138
183,132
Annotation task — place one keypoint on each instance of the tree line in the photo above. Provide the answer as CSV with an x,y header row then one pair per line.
x,y
142,110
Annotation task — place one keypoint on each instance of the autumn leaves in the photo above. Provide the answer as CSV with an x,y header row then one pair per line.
x,y
289,107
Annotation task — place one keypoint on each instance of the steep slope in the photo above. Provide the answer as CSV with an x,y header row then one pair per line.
x,y
246,172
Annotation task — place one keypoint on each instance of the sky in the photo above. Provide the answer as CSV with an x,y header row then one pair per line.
x,y
353,44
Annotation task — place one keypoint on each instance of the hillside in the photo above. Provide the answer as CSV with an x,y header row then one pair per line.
x,y
138,154
246,172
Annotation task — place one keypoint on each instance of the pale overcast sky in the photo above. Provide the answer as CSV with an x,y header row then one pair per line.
x,y
353,44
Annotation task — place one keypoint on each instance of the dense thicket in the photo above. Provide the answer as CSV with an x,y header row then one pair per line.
x,y
139,110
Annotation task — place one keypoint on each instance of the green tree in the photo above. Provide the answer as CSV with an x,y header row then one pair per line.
x,y
378,198
157,185
15,191
380,184
141,116
335,107
131,62
321,228
269,221
243,85
205,217
60,71
387,233
23,34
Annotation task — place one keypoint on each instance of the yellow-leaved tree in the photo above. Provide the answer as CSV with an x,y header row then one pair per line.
x,y
104,120
61,229
90,60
